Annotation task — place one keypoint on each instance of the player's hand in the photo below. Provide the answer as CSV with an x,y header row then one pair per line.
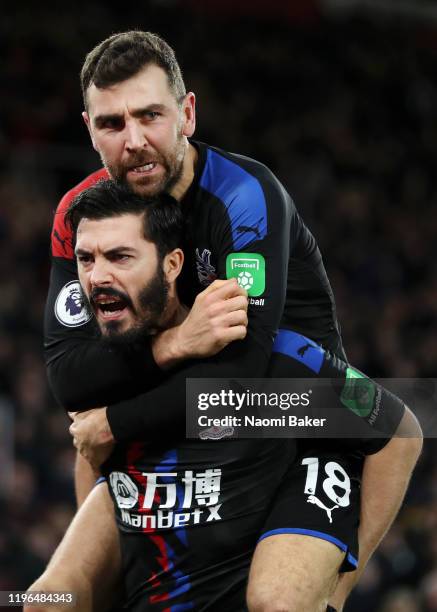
x,y
92,435
218,317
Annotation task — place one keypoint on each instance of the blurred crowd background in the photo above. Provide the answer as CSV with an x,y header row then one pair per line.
x,y
342,105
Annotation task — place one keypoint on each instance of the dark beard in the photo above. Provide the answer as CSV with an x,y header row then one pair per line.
x,y
152,302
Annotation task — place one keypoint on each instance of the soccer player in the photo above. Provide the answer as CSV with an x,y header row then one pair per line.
x,y
169,501
237,214
191,493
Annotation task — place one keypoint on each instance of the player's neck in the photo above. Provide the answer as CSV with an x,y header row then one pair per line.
x,y
187,177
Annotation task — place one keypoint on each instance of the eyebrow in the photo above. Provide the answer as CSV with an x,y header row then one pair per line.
x,y
114,251
100,120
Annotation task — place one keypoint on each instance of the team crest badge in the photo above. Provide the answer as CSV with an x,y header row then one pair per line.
x,y
70,309
205,270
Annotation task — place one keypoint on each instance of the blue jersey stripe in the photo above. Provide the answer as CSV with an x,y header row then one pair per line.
x,y
180,590
182,581
182,607
242,195
300,348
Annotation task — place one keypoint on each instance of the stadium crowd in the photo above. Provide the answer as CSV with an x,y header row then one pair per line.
x,y
345,113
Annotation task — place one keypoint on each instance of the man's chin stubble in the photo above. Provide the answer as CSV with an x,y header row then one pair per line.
x,y
129,340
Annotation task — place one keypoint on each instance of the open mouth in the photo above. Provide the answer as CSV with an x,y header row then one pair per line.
x,y
146,168
110,307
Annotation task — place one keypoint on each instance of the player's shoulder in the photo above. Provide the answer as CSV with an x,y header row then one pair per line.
x,y
253,198
240,171
61,235
91,179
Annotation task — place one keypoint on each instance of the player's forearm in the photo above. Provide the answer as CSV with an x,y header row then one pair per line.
x,y
84,479
162,410
86,374
386,476
167,349
217,318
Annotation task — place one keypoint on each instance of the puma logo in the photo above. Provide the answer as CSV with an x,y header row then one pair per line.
x,y
242,229
303,349
312,499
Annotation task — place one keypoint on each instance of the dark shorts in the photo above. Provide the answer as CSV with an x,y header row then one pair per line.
x,y
320,497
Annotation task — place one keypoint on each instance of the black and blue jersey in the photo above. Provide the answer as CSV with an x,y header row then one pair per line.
x,y
191,516
177,555
239,221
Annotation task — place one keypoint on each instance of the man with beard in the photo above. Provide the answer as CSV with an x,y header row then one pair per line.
x,y
237,214
172,497
194,493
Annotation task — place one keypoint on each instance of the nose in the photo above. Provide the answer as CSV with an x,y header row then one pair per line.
x,y
101,274
135,137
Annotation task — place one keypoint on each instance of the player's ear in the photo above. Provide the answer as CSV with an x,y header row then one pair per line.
x,y
87,120
172,264
189,114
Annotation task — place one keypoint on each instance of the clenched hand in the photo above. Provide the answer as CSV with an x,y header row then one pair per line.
x,y
92,435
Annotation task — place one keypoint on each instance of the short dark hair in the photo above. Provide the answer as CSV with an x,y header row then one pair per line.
x,y
162,214
123,55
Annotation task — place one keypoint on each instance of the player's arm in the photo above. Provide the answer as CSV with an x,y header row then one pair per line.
x,y
85,478
385,480
388,465
164,407
280,566
83,373
387,470
217,318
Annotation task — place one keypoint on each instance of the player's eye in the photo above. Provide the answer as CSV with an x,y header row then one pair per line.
x,y
119,257
151,115
84,259
115,124
112,123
